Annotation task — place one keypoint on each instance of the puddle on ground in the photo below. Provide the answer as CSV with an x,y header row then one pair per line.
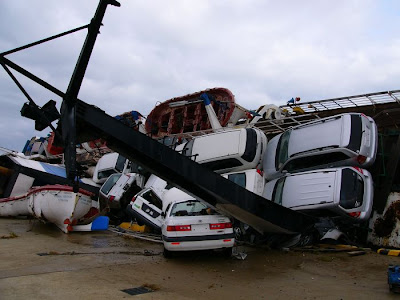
x,y
96,239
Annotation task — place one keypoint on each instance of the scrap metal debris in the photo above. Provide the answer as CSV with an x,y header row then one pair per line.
x,y
156,238
144,253
241,255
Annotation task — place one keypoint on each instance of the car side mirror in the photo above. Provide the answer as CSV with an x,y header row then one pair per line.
x,y
163,214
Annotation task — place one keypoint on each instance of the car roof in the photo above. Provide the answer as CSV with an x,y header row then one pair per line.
x,y
320,135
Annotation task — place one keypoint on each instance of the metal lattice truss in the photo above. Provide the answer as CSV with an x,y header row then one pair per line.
x,y
347,102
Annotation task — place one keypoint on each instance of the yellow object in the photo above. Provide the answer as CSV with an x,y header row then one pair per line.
x,y
298,110
339,246
134,227
389,252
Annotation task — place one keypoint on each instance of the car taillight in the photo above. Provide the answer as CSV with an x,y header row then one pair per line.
x,y
359,170
361,159
179,228
228,225
260,172
133,199
355,214
111,198
220,226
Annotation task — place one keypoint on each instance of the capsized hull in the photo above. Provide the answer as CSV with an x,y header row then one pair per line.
x,y
56,204
188,113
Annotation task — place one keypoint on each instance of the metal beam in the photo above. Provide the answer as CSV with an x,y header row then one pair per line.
x,y
260,213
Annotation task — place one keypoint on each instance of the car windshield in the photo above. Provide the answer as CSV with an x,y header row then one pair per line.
x,y
251,145
282,150
191,208
120,163
108,185
352,189
278,191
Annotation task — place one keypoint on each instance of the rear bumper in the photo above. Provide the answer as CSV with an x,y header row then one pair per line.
x,y
199,238
199,242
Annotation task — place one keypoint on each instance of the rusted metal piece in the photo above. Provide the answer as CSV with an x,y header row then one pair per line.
x,y
384,225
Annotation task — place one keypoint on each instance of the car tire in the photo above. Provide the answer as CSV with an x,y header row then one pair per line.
x,y
167,253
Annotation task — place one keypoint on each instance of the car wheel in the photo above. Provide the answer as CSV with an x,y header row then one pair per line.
x,y
167,253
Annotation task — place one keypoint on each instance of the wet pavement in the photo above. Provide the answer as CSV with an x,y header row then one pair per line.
x,y
38,261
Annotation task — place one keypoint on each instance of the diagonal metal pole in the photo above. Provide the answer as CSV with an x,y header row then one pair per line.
x,y
68,107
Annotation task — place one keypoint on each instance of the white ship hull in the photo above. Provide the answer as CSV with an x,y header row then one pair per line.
x,y
56,204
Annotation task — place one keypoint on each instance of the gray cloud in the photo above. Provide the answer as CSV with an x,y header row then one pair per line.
x,y
149,51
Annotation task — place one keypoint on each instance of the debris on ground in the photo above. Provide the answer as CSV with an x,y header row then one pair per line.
x,y
12,235
390,252
241,255
156,238
328,248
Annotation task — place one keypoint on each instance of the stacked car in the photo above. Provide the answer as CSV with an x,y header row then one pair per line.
x,y
319,167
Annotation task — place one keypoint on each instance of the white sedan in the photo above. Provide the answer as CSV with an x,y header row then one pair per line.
x,y
191,224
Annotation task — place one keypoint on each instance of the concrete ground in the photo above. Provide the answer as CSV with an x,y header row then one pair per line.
x,y
38,261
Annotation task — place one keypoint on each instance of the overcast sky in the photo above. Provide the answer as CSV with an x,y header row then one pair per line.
x,y
149,51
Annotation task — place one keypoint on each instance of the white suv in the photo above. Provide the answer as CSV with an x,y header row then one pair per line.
x,y
146,207
228,150
344,191
346,139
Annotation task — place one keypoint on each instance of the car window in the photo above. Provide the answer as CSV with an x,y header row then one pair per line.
x,y
251,145
352,189
166,210
187,151
108,185
278,191
152,198
282,149
238,178
355,133
306,162
223,164
191,208
105,173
